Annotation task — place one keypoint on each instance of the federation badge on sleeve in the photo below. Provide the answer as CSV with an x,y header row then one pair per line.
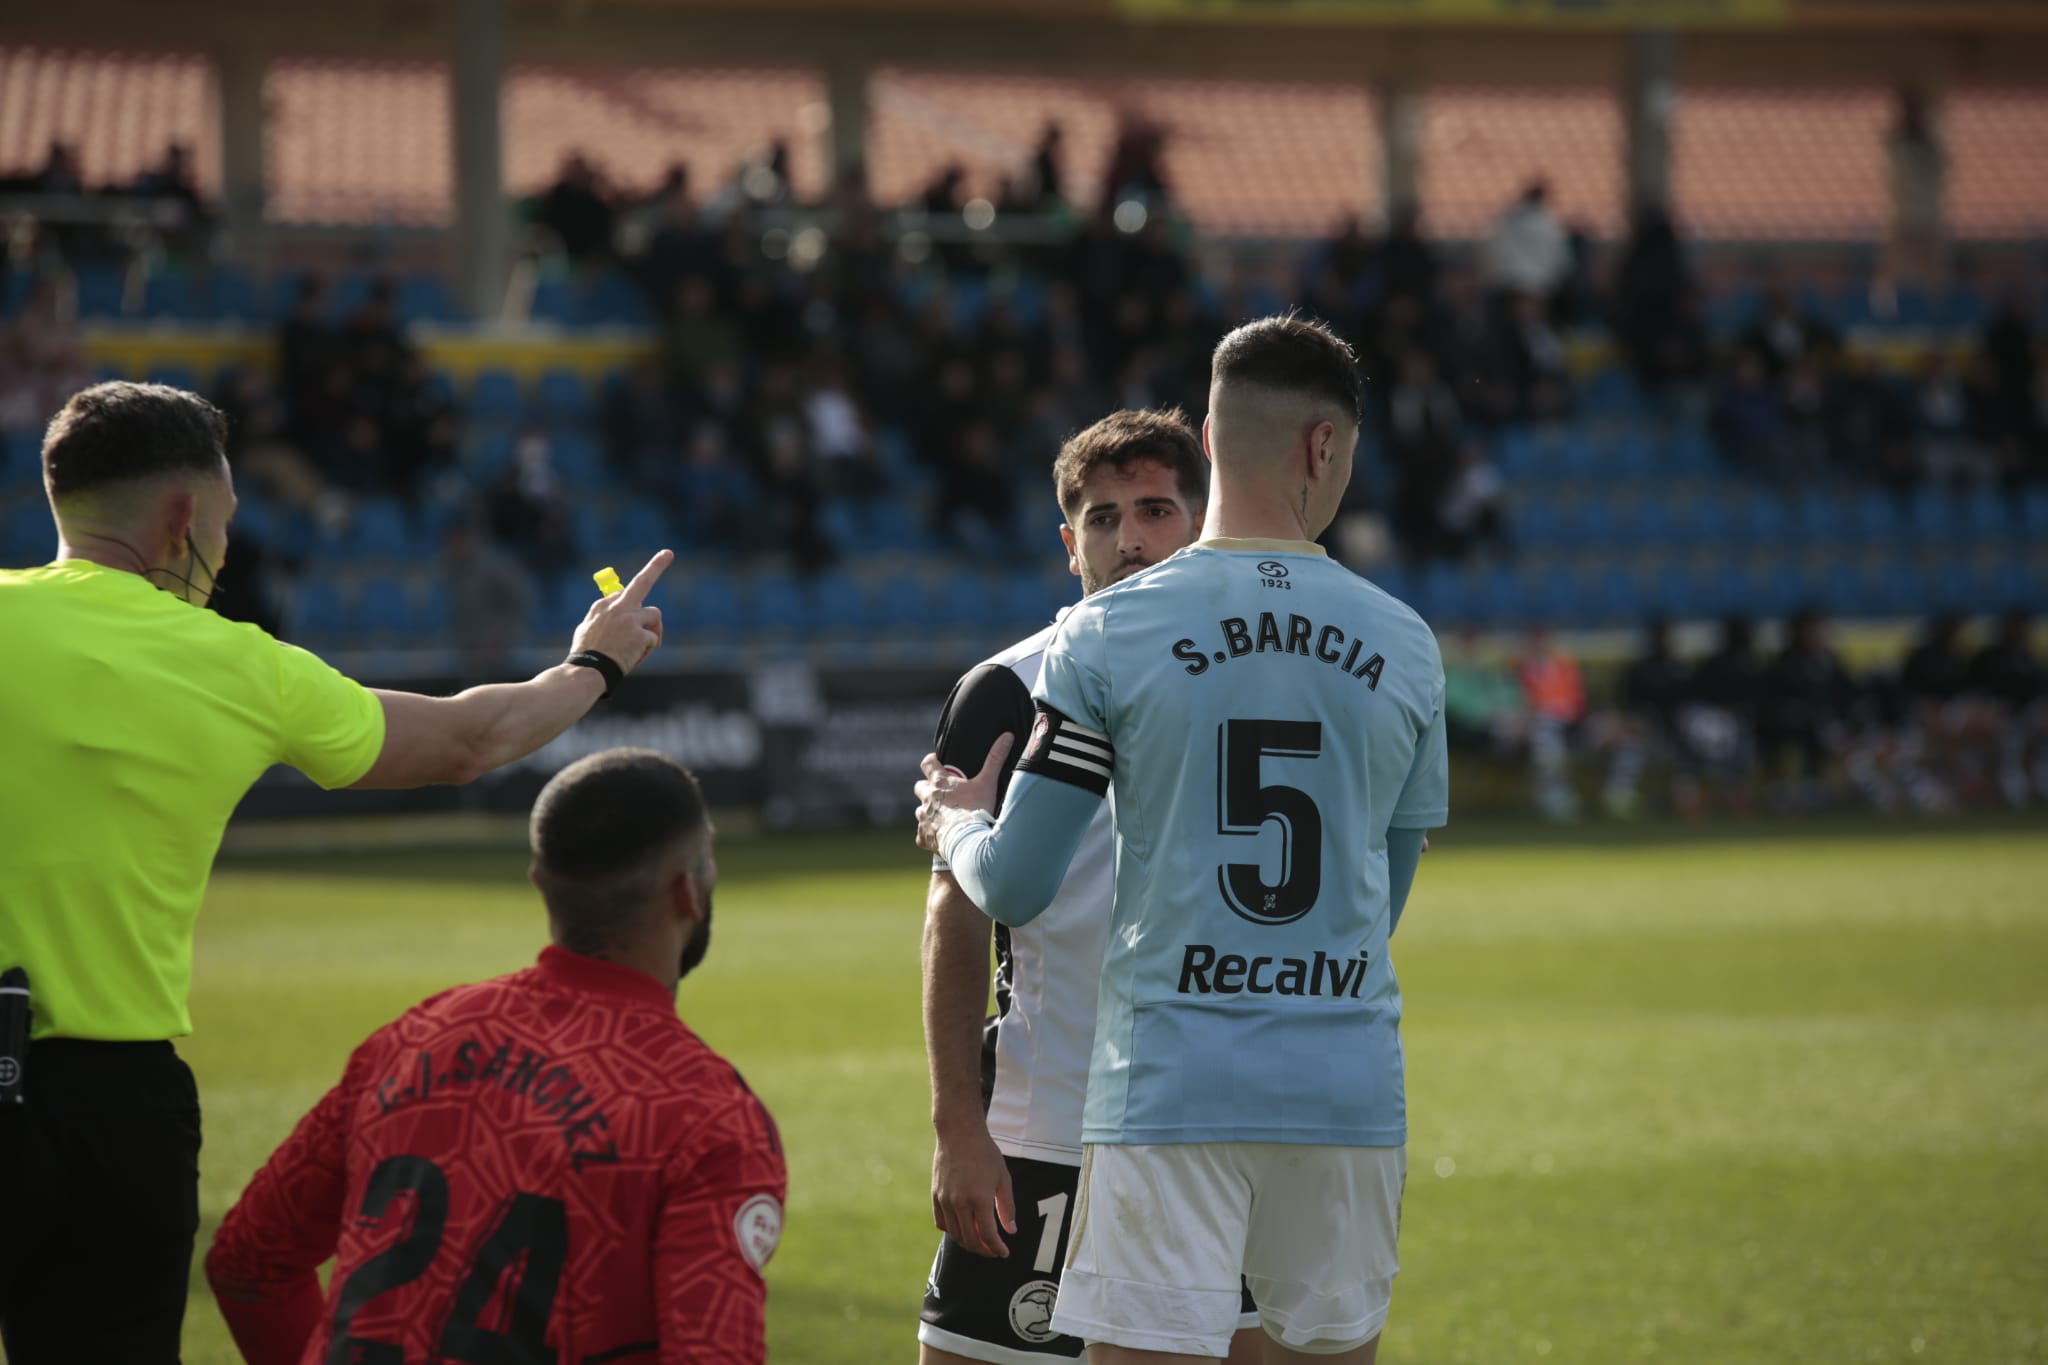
x,y
758,1225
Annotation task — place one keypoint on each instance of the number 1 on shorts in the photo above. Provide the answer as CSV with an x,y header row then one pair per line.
x,y
1054,1212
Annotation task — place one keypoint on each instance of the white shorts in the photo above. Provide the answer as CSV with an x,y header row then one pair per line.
x,y
1161,1235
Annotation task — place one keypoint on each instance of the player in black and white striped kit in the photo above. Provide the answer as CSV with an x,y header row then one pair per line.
x,y
1007,1092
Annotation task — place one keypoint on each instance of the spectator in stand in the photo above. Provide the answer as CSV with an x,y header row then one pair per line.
x,y
2007,677
173,179
1049,179
679,247
1749,420
1527,252
697,335
1717,722
1944,419
1955,733
1136,167
1484,705
1785,335
713,496
839,434
1650,287
1869,423
42,359
1408,265
1804,713
1470,515
1555,687
1424,429
638,420
491,597
1652,688
576,210
944,196
1533,374
976,510
527,507
307,345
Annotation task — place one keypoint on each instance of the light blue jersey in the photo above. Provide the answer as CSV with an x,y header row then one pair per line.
x,y
1265,717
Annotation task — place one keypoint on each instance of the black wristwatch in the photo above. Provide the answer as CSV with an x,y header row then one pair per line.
x,y
605,664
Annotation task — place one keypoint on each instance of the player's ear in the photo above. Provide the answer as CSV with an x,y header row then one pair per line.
x,y
175,517
1073,555
1208,451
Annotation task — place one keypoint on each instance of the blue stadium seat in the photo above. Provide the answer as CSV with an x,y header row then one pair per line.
x,y
383,607
171,297
433,608
1988,516
902,603
1934,518
381,530
964,602
1783,587
1537,520
423,297
31,533
1502,602
1846,590
643,527
1653,522
589,525
1878,520
1703,519
563,397
1690,450
497,395
175,376
1899,591
319,611
611,300
1554,597
1023,600
23,460
1766,520
100,291
1444,594
777,604
705,602
574,457
1821,518
1515,451
1390,578
2034,516
838,602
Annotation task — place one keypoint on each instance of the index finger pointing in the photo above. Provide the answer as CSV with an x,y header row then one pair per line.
x,y
643,582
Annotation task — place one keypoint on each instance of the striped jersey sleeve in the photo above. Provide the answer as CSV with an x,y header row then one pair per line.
x,y
1068,751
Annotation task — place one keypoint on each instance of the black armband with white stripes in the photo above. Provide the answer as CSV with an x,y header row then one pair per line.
x,y
1069,751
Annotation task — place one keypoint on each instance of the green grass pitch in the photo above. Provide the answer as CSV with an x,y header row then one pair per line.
x,y
1717,1100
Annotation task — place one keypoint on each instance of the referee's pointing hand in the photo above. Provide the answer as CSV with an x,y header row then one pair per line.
x,y
622,626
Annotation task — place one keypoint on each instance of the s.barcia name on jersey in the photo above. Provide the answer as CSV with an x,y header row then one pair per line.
x,y
1323,643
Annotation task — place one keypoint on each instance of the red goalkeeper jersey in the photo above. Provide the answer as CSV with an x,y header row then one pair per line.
x,y
546,1167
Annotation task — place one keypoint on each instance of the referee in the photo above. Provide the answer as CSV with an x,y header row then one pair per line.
x,y
134,723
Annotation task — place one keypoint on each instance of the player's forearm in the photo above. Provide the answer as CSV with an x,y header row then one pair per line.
x,y
1404,855
1013,868
508,721
271,1323
955,994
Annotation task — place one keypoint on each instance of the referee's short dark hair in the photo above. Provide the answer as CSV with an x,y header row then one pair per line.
x,y
1290,354
597,831
1115,442
117,431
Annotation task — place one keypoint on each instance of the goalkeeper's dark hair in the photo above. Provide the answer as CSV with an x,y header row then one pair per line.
x,y
119,432
1290,354
599,832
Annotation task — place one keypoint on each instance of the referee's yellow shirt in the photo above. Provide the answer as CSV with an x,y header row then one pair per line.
x,y
131,723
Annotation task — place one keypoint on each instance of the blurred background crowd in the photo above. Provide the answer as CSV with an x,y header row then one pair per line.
x,y
842,409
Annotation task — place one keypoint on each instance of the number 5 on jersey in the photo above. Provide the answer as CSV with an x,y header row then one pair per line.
x,y
1244,806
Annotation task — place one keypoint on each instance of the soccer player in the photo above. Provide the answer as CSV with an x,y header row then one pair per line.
x,y
1273,728
546,1167
135,722
1006,1101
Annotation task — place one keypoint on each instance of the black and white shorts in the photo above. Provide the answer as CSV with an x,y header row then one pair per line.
x,y
1001,1310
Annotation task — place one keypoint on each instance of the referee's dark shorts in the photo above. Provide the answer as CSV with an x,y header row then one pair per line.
x,y
99,1203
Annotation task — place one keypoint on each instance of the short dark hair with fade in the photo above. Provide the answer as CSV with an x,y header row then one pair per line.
x,y
596,831
1292,354
117,431
1127,436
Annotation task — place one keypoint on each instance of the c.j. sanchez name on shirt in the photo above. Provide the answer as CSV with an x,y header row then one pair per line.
x,y
1241,637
